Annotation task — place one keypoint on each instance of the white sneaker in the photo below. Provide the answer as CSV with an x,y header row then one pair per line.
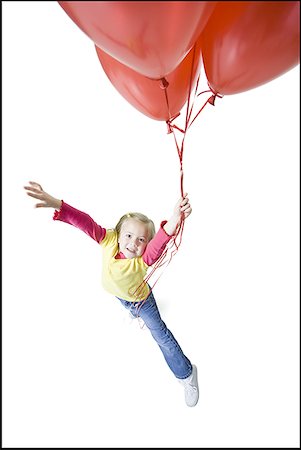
x,y
191,387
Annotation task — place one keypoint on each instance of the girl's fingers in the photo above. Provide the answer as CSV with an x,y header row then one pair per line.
x,y
185,206
36,184
187,210
28,188
34,195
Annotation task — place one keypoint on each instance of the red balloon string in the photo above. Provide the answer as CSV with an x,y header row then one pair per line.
x,y
175,242
162,263
204,92
209,100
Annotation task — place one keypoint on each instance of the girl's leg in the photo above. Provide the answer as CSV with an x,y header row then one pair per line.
x,y
172,352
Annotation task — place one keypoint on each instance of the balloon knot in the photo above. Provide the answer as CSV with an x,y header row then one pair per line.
x,y
169,127
215,94
211,100
163,83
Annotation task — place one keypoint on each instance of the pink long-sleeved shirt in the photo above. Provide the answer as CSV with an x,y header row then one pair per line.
x,y
84,222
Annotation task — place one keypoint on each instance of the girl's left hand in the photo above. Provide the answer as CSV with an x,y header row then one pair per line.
x,y
183,207
181,210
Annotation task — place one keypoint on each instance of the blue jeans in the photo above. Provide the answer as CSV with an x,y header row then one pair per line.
x,y
178,363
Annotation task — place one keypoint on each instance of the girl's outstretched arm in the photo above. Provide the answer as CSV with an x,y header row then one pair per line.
x,y
65,212
35,190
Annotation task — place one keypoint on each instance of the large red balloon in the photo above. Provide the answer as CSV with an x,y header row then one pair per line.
x,y
148,95
246,44
150,37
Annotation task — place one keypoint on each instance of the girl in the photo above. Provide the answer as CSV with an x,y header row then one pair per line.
x,y
128,251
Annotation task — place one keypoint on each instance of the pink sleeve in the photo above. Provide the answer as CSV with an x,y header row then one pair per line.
x,y
80,220
156,246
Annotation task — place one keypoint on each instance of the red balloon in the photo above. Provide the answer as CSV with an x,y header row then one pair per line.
x,y
147,95
247,44
150,37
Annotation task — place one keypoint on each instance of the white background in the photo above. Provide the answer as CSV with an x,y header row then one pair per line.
x,y
76,371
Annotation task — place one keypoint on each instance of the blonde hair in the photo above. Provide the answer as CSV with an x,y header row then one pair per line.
x,y
138,216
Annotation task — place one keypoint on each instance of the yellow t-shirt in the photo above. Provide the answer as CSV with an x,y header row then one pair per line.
x,y
122,277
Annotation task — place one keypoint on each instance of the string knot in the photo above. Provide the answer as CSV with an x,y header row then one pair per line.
x,y
169,126
211,100
163,83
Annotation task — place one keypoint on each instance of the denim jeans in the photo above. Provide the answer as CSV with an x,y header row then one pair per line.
x,y
178,363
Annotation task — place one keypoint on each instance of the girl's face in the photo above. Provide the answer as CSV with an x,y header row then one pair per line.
x,y
133,238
